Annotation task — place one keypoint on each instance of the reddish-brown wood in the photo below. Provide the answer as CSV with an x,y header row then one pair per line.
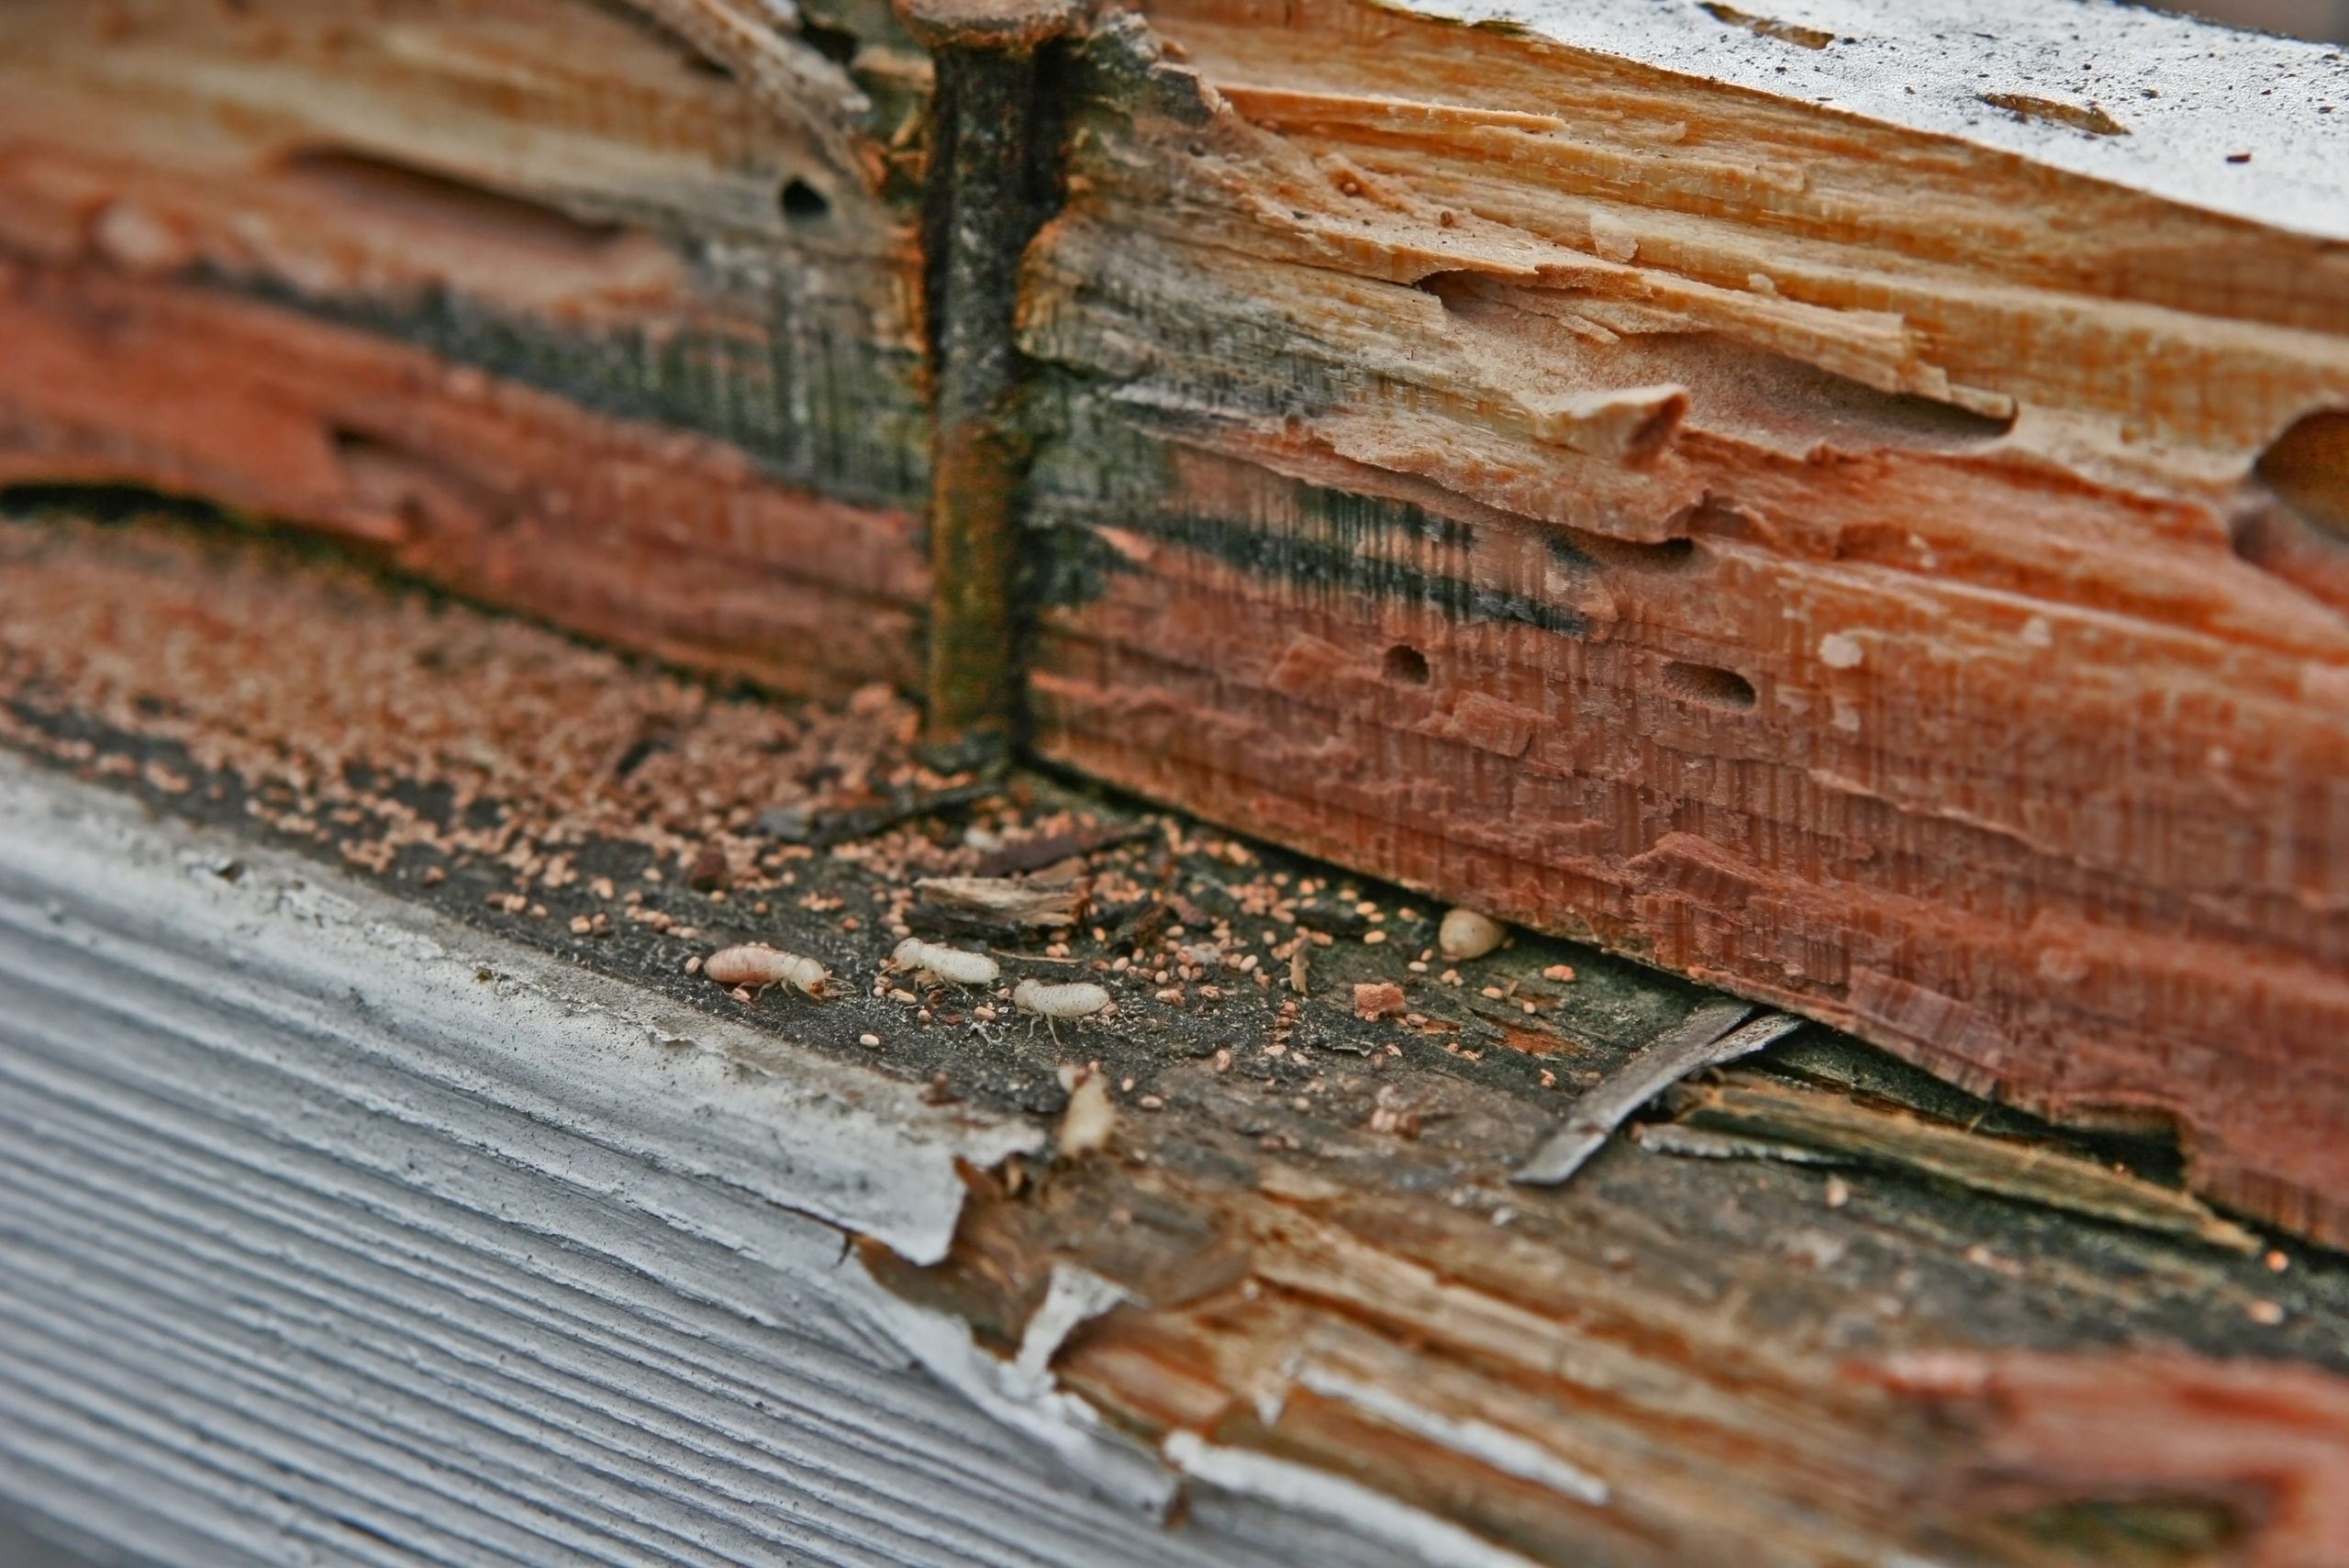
x,y
1795,550
1829,559
2274,1438
1305,1206
656,539
199,210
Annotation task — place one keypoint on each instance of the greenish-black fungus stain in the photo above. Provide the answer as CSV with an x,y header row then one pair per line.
x,y
799,383
1095,470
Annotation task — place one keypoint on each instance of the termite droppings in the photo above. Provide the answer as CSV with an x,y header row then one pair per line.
x,y
709,872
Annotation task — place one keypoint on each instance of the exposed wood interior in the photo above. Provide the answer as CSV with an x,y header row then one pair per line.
x,y
1884,576
655,539
1299,1244
1820,540
218,227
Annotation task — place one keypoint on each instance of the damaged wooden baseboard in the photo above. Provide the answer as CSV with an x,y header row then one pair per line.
x,y
1886,649
1851,518
1741,491
393,1170
412,1243
382,1251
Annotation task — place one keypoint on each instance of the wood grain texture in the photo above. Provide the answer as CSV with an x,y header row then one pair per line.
x,y
653,539
1811,544
2053,1422
1828,558
658,380
1297,1277
1561,1400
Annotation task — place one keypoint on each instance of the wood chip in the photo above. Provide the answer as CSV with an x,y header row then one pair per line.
x,y
1750,1106
1709,1035
1002,901
1033,854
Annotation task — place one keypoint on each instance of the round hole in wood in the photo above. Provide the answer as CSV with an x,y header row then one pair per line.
x,y
802,203
1407,664
1709,686
2307,468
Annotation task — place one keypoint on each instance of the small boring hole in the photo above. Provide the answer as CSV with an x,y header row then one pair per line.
x,y
1407,664
802,203
1708,687
2299,528
835,44
2307,468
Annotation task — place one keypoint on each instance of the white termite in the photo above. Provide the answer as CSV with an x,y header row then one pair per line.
x,y
1079,1000
765,966
1091,1118
947,963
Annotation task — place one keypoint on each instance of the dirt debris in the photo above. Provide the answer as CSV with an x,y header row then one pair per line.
x,y
572,799
399,721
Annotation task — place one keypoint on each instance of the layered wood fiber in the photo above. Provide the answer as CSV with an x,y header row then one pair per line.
x,y
524,295
337,1230
356,1259
1815,556
1832,559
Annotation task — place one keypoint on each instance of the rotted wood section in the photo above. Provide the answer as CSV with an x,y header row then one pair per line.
x,y
1283,1280
1828,560
1879,573
362,1003
654,540
527,297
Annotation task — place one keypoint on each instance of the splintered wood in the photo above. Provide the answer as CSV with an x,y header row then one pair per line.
x,y
1853,517
1832,559
1711,1036
498,367
2057,1178
1276,1241
1816,555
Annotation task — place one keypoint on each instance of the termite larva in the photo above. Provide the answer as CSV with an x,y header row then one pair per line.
x,y
947,963
765,966
1090,1118
1466,934
1081,1000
